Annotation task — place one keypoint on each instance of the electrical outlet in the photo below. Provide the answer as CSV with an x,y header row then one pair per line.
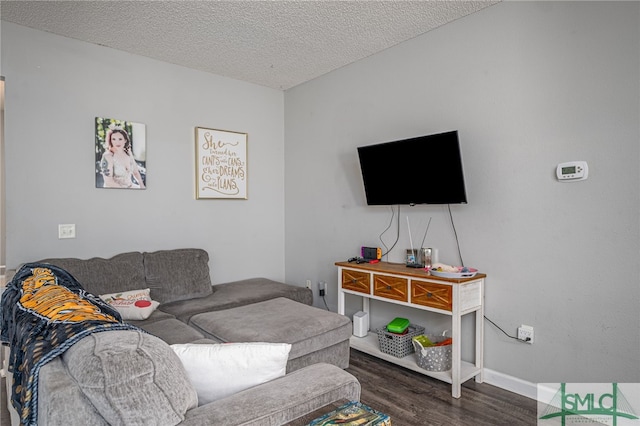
x,y
322,288
66,231
309,284
525,333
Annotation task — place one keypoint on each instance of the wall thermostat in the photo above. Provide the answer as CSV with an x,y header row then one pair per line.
x,y
572,171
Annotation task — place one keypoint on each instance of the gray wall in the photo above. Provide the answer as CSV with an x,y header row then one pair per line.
x,y
56,86
528,85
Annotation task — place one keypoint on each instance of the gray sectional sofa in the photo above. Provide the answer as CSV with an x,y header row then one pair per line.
x,y
191,310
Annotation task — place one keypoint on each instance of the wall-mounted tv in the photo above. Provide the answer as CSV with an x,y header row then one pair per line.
x,y
421,170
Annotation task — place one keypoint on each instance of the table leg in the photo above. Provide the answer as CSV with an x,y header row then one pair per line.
x,y
480,344
456,332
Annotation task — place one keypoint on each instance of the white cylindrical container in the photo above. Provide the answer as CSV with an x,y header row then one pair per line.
x,y
360,324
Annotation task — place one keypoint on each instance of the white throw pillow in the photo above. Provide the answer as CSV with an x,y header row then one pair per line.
x,y
220,370
132,305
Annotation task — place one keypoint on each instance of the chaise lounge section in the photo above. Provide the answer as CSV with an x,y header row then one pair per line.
x,y
315,335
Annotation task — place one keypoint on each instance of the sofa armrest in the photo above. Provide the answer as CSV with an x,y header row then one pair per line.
x,y
61,401
13,414
281,400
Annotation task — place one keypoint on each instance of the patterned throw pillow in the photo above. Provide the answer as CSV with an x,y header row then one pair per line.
x,y
132,305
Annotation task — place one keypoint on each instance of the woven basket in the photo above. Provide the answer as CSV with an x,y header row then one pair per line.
x,y
398,345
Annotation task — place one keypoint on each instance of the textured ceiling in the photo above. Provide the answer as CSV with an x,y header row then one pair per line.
x,y
277,44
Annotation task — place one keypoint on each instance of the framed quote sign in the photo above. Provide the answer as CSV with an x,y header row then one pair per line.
x,y
221,164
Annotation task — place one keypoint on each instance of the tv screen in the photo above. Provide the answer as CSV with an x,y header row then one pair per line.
x,y
421,170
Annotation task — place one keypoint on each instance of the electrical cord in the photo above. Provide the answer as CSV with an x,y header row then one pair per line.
x,y
385,230
456,235
425,233
388,250
325,302
505,333
462,264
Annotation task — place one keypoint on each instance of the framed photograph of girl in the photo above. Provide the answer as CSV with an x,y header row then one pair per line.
x,y
120,148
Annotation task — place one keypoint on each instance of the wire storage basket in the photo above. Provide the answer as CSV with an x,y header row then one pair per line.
x,y
433,358
398,345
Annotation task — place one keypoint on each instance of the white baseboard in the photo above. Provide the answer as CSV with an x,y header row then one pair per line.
x,y
510,383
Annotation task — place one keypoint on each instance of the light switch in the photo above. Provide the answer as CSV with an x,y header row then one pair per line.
x,y
67,231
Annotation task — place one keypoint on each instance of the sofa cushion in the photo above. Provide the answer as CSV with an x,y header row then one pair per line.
x,y
131,377
97,275
217,371
172,331
237,293
177,274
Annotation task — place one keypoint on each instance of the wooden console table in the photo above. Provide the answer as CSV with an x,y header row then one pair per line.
x,y
416,288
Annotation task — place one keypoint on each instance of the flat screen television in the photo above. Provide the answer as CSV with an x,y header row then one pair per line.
x,y
421,170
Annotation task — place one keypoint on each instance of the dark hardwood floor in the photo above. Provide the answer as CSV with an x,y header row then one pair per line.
x,y
412,399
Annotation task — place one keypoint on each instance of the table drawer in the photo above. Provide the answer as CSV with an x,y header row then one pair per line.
x,y
389,287
356,281
433,295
